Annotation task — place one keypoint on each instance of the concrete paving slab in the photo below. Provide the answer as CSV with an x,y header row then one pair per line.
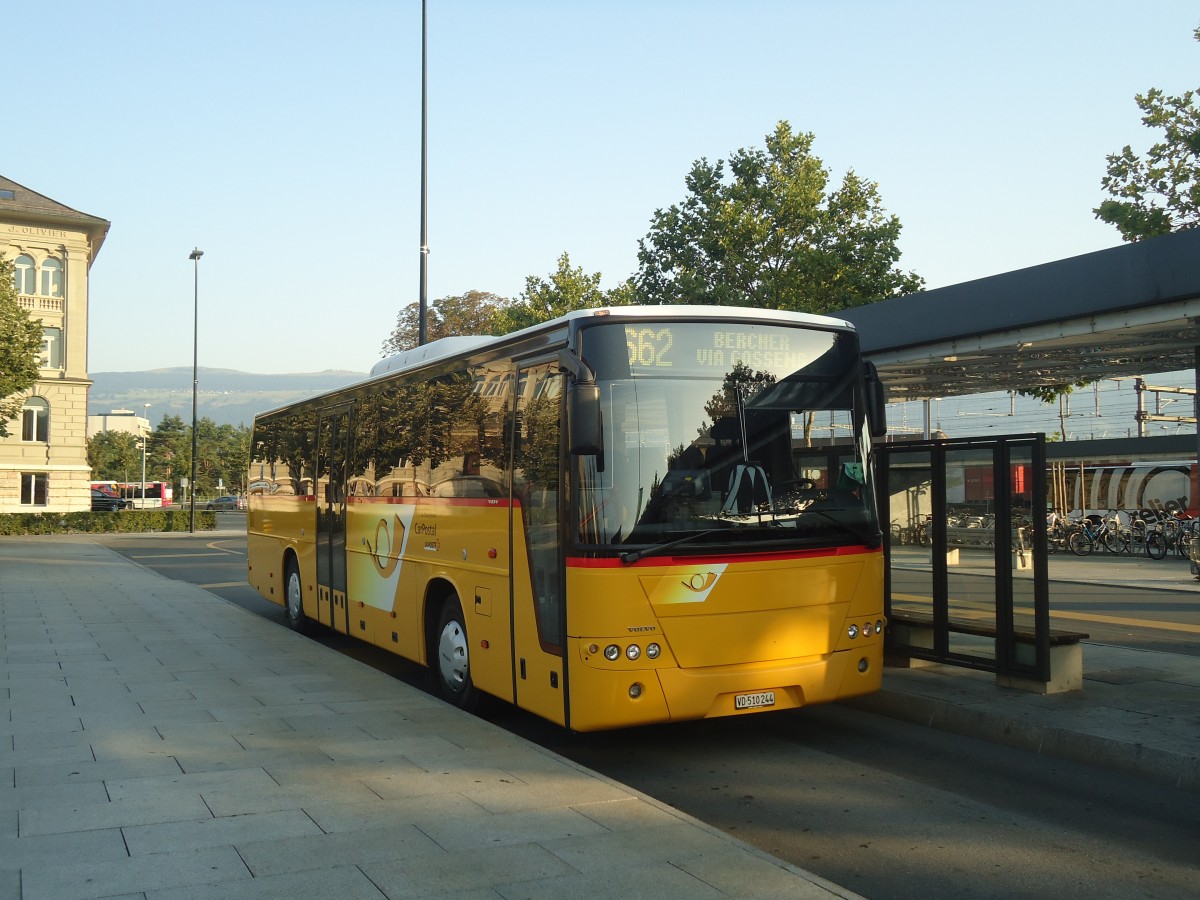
x,y
85,772
218,831
50,819
342,882
104,878
56,849
405,844
451,874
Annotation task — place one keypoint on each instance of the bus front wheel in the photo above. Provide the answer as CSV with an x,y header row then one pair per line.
x,y
453,664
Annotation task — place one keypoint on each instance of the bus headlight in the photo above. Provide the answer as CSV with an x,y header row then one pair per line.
x,y
633,651
853,632
653,650
612,652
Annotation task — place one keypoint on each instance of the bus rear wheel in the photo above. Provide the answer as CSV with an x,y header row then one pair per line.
x,y
294,598
452,668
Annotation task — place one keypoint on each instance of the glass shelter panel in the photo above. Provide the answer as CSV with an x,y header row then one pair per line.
x,y
1022,513
909,488
971,539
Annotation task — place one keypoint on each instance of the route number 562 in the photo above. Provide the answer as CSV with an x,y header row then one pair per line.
x,y
649,346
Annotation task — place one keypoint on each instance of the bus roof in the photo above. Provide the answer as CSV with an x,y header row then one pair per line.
x,y
451,346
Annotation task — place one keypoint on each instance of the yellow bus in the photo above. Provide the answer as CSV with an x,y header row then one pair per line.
x,y
624,516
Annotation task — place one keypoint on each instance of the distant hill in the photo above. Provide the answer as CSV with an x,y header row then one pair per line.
x,y
226,396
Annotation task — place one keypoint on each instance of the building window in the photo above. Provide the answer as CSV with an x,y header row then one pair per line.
x,y
24,274
35,420
52,278
52,354
33,488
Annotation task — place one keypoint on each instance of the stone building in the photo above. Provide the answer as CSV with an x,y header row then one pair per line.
x,y
43,461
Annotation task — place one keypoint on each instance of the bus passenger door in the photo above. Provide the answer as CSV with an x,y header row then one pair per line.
x,y
332,439
538,607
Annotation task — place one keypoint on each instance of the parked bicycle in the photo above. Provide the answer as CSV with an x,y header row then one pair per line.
x,y
1089,534
1143,537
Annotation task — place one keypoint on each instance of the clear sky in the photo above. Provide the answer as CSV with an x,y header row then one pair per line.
x,y
283,140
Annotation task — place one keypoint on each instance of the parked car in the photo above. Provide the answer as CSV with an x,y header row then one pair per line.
x,y
102,502
229,501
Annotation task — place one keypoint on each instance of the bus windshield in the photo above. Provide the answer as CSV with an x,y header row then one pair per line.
x,y
744,436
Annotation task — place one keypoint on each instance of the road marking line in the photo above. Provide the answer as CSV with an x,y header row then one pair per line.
x,y
223,584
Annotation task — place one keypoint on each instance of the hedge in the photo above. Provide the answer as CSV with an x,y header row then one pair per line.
x,y
126,521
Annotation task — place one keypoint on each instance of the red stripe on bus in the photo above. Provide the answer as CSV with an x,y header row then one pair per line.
x,y
489,502
662,560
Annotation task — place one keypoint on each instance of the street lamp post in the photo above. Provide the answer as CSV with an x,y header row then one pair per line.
x,y
194,256
145,437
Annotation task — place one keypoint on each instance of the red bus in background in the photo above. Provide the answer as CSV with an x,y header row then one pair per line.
x,y
112,488
158,493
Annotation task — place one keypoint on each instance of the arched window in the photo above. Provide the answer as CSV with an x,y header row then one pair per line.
x,y
35,420
52,278
24,274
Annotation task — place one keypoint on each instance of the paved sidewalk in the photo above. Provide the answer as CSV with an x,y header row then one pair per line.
x,y
159,742
156,741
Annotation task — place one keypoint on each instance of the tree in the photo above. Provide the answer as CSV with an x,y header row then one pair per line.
x,y
771,236
567,290
224,451
1054,393
20,349
471,313
1160,193
114,456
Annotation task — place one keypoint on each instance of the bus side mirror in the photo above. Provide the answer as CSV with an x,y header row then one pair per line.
x,y
876,401
584,427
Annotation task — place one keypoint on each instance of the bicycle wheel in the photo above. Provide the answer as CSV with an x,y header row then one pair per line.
x,y
1156,545
1115,542
1080,543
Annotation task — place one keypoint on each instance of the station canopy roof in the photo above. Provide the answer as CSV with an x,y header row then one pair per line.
x,y
1126,311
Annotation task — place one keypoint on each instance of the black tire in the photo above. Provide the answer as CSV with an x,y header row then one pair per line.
x,y
1114,542
1156,545
451,658
1080,543
293,598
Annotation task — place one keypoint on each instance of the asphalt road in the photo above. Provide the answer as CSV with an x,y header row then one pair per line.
x,y
885,808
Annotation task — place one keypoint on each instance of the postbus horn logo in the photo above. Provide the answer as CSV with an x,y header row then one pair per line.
x,y
381,554
700,582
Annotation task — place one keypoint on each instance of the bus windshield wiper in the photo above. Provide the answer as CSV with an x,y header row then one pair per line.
x,y
634,555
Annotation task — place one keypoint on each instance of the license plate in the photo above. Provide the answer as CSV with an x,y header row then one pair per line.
x,y
754,701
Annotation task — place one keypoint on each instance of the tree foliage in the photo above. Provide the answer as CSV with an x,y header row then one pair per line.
x,y
772,235
20,349
1158,193
566,290
471,313
223,454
